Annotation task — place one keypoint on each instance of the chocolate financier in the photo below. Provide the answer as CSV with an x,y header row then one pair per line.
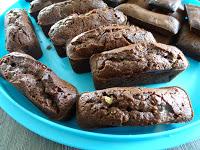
x,y
133,106
165,5
189,42
179,14
37,5
137,64
52,95
20,35
104,38
164,24
193,13
55,12
64,30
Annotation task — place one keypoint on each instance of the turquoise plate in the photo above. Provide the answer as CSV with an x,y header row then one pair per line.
x,y
68,133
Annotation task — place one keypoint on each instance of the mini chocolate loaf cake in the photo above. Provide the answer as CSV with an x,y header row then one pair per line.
x,y
52,95
193,13
55,12
20,35
137,64
179,14
64,30
37,5
189,42
114,3
133,107
104,38
165,5
164,24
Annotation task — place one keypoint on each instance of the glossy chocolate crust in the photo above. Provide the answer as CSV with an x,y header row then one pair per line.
x,y
165,5
164,24
193,13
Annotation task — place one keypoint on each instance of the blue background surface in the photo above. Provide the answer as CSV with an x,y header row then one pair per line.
x,y
154,137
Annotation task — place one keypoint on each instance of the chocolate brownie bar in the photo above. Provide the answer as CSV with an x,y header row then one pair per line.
x,y
149,20
189,42
165,5
114,3
104,38
52,95
64,30
37,5
55,12
193,13
133,106
20,35
137,64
